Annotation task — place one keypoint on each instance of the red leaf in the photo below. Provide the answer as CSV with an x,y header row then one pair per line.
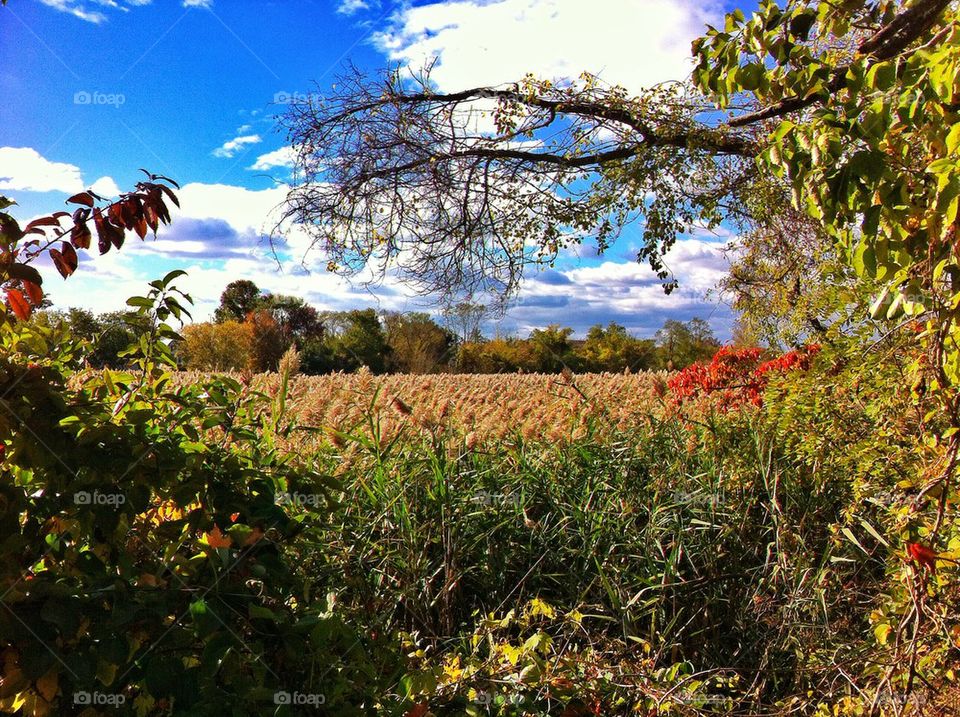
x,y
80,235
34,292
84,198
418,710
150,214
169,193
115,212
923,555
19,305
130,210
43,222
65,261
105,232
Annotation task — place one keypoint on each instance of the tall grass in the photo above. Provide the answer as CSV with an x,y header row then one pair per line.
x,y
687,544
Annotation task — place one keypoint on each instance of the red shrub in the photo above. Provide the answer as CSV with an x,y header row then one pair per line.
x,y
738,376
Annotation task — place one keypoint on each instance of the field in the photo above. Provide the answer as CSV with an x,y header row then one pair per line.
x,y
535,407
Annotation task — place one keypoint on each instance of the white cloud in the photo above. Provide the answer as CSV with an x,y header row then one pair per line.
x,y
634,43
83,10
106,187
282,157
626,292
245,210
203,4
228,149
24,169
351,7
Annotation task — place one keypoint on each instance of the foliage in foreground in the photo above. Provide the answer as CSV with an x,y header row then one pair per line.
x,y
145,565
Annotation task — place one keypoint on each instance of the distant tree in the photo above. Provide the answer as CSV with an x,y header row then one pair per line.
x,y
417,343
299,321
317,357
552,349
464,319
82,323
269,342
499,355
362,342
613,349
681,344
225,346
238,300
745,335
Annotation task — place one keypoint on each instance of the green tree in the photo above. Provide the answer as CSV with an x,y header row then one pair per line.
x,y
417,343
612,349
498,355
681,344
553,349
238,300
361,342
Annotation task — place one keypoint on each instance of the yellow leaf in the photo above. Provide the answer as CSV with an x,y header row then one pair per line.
x,y
106,673
539,607
511,653
143,705
882,632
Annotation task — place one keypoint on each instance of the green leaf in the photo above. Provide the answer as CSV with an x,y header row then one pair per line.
x,y
750,76
176,273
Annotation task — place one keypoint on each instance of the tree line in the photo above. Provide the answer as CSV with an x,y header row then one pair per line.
x,y
252,330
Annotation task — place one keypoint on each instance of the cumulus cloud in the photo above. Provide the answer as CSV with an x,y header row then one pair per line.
x,y
106,187
230,148
24,169
246,210
203,4
633,43
282,157
627,293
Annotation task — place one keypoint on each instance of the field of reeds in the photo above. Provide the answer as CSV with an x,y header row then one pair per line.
x,y
536,407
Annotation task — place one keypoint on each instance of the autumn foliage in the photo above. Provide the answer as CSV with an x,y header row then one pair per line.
x,y
736,376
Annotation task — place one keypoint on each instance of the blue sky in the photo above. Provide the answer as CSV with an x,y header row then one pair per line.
x,y
95,89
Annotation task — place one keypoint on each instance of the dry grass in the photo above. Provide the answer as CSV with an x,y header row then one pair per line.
x,y
479,407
